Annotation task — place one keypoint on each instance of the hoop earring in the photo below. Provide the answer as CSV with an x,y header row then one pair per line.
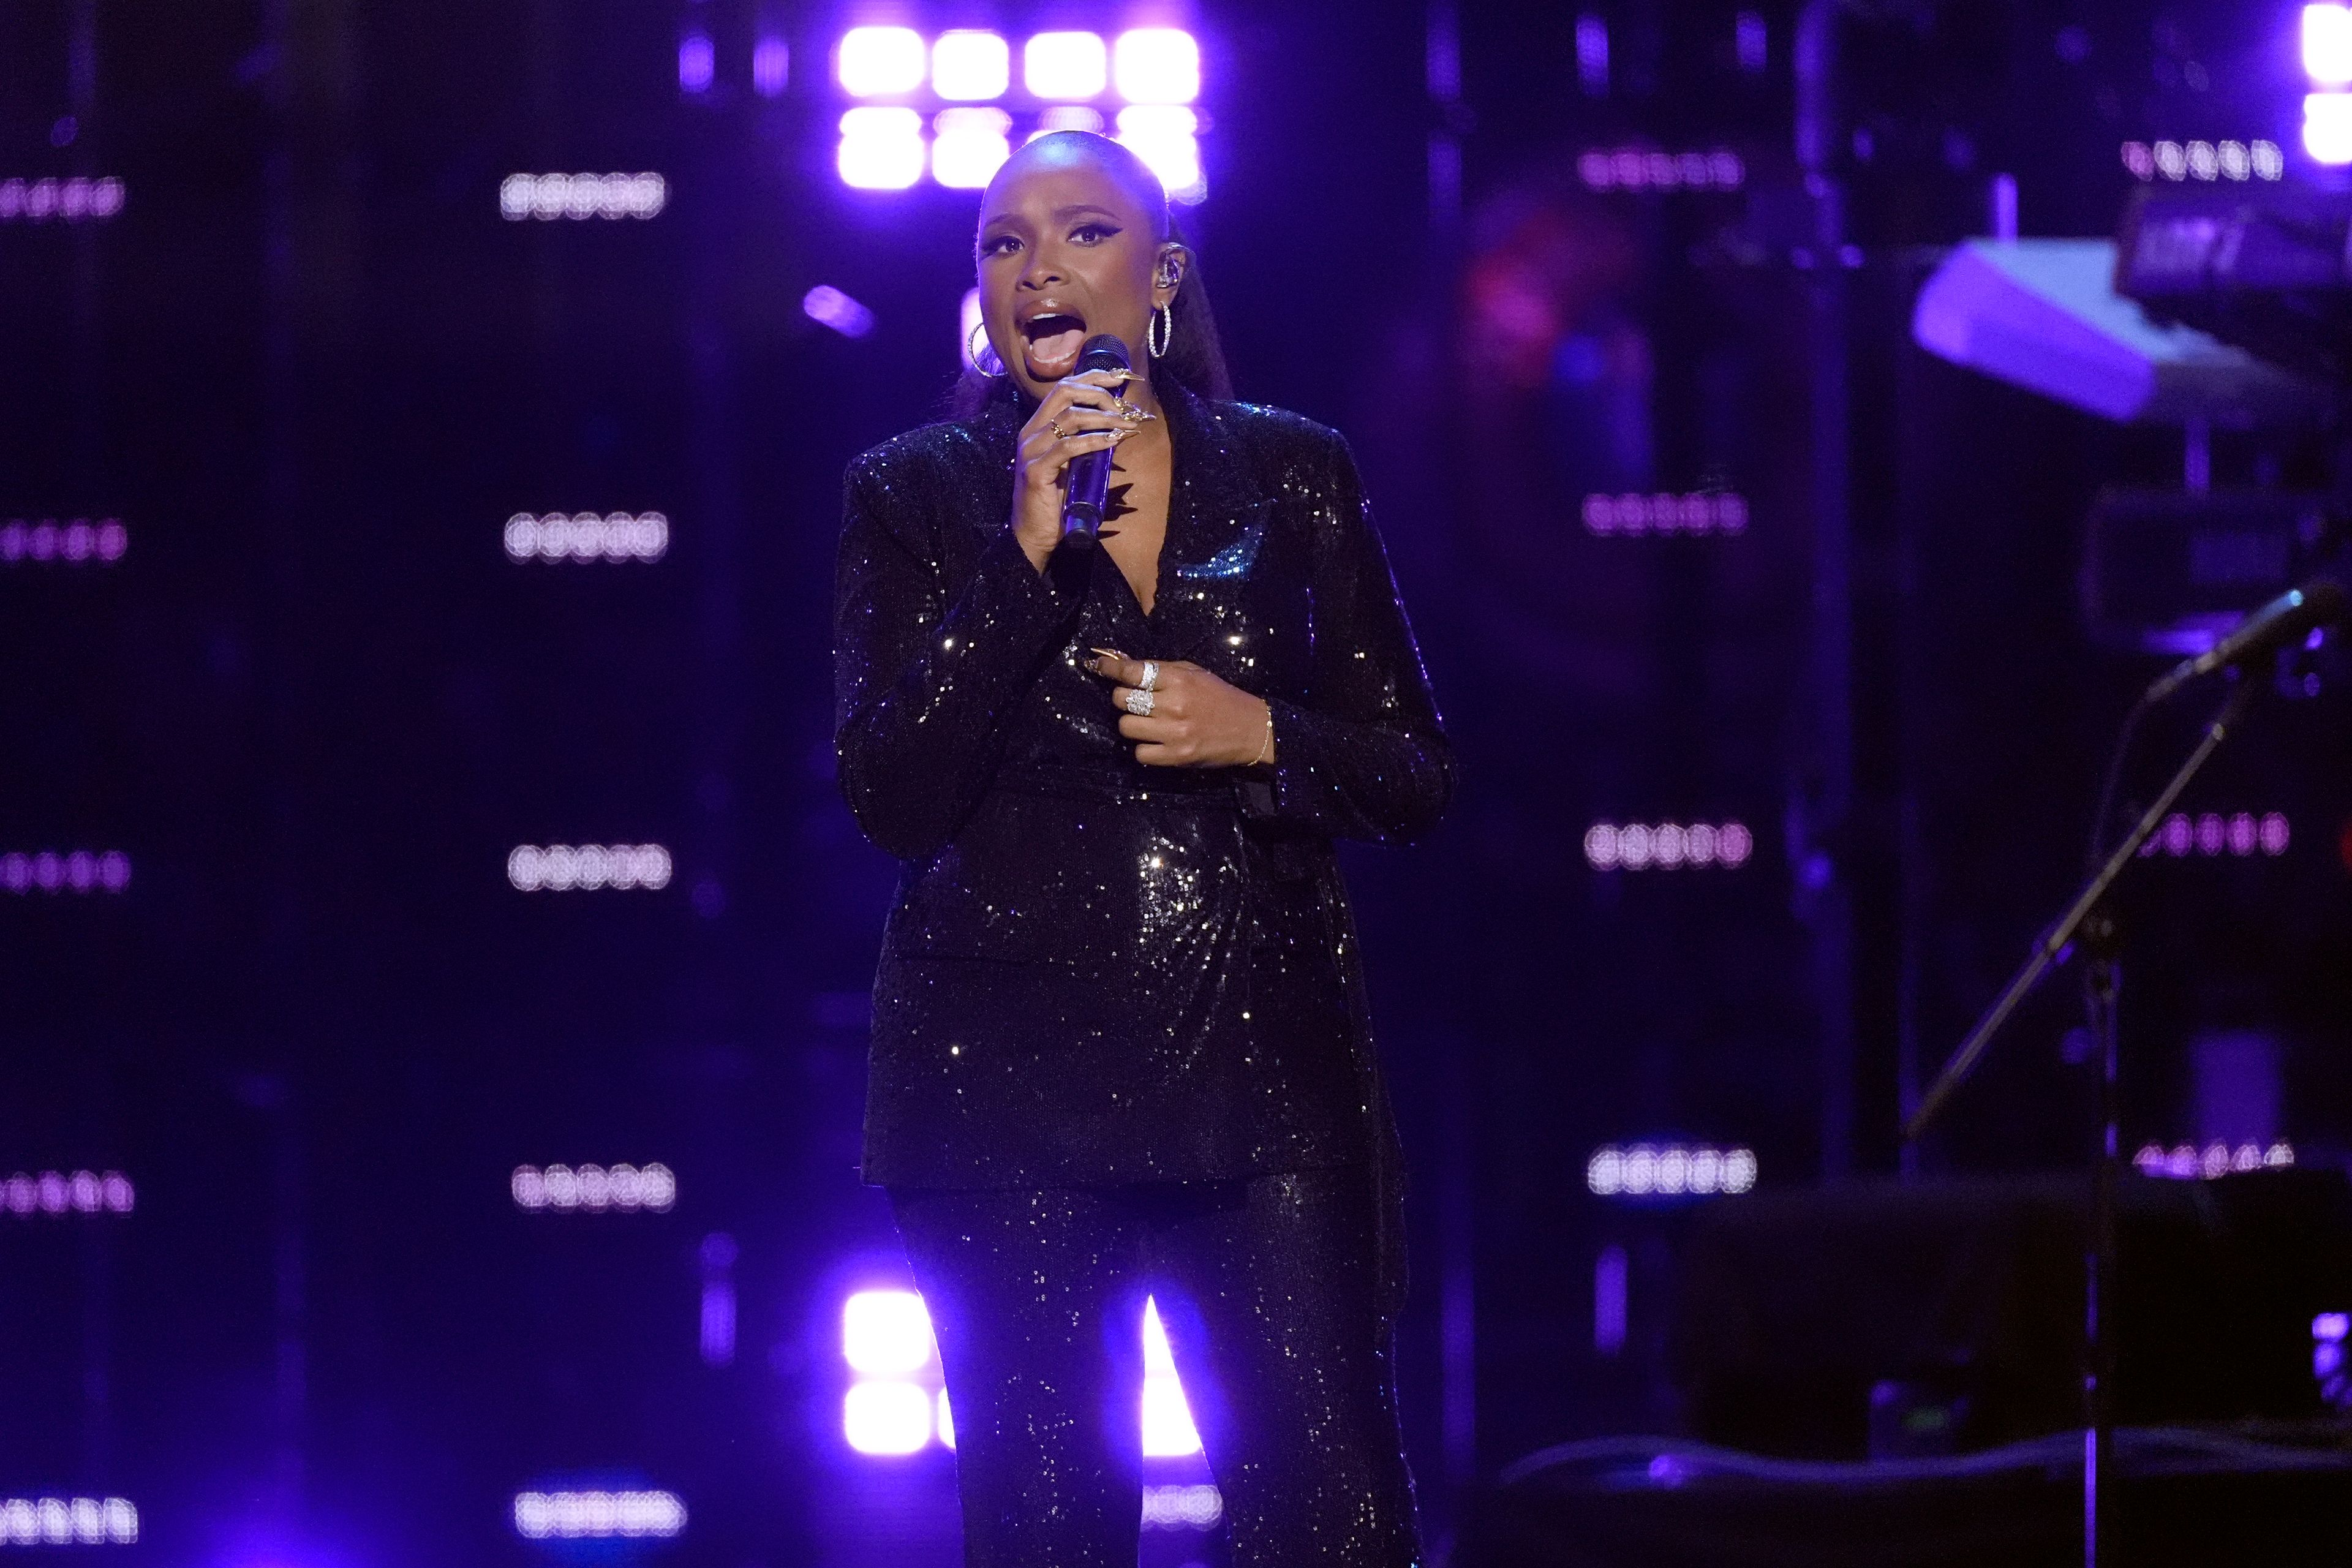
x,y
972,354
1161,332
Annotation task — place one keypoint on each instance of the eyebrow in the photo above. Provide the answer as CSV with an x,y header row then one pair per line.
x,y
1061,215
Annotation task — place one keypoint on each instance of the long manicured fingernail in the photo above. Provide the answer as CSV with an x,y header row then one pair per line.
x,y
1109,653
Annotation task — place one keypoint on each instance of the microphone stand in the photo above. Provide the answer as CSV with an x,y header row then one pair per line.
x,y
2085,919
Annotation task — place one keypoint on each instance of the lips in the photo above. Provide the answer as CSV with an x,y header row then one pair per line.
x,y
1052,338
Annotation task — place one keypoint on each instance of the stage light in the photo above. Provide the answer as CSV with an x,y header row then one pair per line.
x,y
76,872
2209,833
2187,1162
1155,65
1699,512
595,1515
77,200
698,63
585,536
1751,41
2226,159
968,66
2327,126
886,1418
1065,65
1609,1282
62,1193
969,145
560,868
881,149
579,196
947,1423
1193,1506
1067,117
828,306
2327,45
717,1340
1592,55
1670,1169
1167,1429
1641,168
1666,846
879,62
68,1521
886,1334
76,542
595,1188
1165,136
772,65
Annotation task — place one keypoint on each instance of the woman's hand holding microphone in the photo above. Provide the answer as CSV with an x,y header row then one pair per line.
x,y
1081,414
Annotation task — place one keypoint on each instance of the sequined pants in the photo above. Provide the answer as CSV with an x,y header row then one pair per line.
x,y
1266,1288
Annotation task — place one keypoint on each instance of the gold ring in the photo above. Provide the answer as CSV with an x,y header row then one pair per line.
x,y
1055,426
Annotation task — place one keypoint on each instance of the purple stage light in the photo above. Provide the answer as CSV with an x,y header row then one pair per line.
x,y
78,871
560,868
1067,117
592,1515
1669,1170
1157,64
68,1521
2225,160
595,1189
2327,45
881,149
772,65
1592,55
887,1420
886,1334
76,542
2241,835
1065,65
1609,1282
1699,512
1167,1429
76,200
969,145
577,196
1640,168
1751,41
829,307
62,1193
698,63
1192,1505
969,66
2187,1162
1666,846
879,62
1166,136
718,1326
2327,126
587,536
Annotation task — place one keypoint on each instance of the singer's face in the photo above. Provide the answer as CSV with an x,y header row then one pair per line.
x,y
1066,252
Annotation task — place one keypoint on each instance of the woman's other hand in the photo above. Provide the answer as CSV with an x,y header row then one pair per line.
x,y
1186,717
1081,414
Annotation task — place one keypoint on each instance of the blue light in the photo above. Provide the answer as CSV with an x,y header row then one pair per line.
x,y
698,63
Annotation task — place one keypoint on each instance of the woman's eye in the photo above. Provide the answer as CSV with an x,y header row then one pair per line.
x,y
997,246
1092,233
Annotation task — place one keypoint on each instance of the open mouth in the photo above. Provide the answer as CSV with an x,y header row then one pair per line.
x,y
1053,339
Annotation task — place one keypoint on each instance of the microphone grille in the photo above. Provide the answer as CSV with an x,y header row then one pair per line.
x,y
1103,352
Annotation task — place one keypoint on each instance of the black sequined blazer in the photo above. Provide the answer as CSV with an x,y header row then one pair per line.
x,y
1096,971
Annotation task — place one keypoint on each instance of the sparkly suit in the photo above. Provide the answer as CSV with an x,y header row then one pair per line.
x,y
1119,1035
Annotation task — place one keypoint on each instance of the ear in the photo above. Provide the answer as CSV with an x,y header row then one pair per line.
x,y
1168,268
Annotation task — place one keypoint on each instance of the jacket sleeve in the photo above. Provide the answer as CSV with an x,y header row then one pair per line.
x,y
924,670
1363,756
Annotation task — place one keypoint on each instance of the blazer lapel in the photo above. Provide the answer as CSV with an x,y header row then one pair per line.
x,y
1217,517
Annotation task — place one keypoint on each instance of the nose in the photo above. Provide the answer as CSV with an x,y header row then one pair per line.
x,y
1043,270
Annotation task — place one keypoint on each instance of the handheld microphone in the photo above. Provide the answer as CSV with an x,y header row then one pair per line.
x,y
2288,618
1085,484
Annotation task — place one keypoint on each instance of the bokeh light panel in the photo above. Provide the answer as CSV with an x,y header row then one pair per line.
x,y
76,200
881,149
68,1521
2223,160
54,1192
969,145
579,196
970,67
1066,65
597,1515
897,1406
1666,846
2188,1162
1155,65
1668,1170
595,1189
72,871
2327,126
75,543
587,536
879,62
561,867
2327,45
1167,137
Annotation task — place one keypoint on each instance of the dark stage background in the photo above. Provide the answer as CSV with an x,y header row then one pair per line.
x,y
311,704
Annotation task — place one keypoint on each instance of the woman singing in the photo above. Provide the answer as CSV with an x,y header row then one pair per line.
x,y
1119,1038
